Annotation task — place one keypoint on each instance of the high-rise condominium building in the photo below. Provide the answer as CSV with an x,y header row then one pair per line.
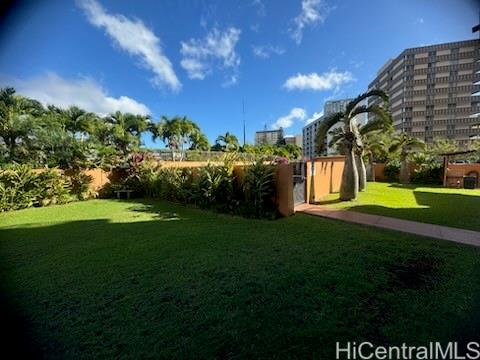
x,y
310,130
270,137
435,90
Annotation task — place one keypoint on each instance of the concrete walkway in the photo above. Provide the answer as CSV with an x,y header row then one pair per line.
x,y
435,231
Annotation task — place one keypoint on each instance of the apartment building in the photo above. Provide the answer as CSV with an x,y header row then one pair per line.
x,y
293,140
435,90
310,130
270,137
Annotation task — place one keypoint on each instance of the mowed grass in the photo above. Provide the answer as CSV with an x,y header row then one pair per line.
x,y
108,278
430,204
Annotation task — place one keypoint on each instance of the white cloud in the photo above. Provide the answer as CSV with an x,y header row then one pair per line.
x,y
313,81
83,92
217,48
265,51
260,7
287,120
135,38
314,117
313,12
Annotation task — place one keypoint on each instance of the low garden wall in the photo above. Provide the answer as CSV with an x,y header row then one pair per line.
x,y
379,169
323,177
455,172
249,189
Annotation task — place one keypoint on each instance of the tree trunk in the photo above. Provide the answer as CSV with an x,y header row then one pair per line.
x,y
349,187
404,171
362,172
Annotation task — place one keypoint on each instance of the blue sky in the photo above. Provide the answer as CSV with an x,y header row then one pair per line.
x,y
202,58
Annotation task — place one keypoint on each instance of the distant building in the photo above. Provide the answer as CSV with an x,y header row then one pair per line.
x,y
293,140
310,130
269,137
434,91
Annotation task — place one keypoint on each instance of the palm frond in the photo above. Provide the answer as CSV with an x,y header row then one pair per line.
x,y
372,93
323,129
382,121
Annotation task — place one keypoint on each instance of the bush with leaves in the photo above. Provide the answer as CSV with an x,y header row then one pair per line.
x,y
259,189
80,186
392,170
21,187
210,187
54,188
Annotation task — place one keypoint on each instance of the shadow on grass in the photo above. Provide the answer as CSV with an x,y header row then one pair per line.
x,y
454,210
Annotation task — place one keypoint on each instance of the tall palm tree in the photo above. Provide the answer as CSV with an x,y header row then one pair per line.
x,y
126,129
350,178
178,133
228,141
406,144
382,121
16,118
199,141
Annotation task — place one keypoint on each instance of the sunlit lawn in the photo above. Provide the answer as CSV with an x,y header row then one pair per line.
x,y
437,205
129,279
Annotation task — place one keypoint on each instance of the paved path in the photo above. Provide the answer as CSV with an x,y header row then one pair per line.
x,y
436,231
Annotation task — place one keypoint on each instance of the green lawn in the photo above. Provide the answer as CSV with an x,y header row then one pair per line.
x,y
430,204
107,278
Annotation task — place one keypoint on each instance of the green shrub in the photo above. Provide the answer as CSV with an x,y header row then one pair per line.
x,y
428,174
53,188
21,187
80,186
392,170
210,187
259,189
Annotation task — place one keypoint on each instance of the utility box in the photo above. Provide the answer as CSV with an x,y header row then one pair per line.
x,y
469,182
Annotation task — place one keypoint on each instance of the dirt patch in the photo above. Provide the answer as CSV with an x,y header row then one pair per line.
x,y
419,272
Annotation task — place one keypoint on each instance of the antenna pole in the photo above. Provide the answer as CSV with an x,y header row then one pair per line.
x,y
243,110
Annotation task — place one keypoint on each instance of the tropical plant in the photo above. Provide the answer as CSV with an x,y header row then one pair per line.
x,y
405,144
227,142
21,187
16,119
392,170
125,130
54,188
367,144
259,188
81,186
351,137
179,133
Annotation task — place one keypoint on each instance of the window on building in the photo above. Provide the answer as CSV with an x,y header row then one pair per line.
x,y
432,53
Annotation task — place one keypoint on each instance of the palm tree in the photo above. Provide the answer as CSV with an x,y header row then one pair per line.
x,y
406,144
351,138
199,141
178,132
126,129
228,141
368,144
382,121
16,118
